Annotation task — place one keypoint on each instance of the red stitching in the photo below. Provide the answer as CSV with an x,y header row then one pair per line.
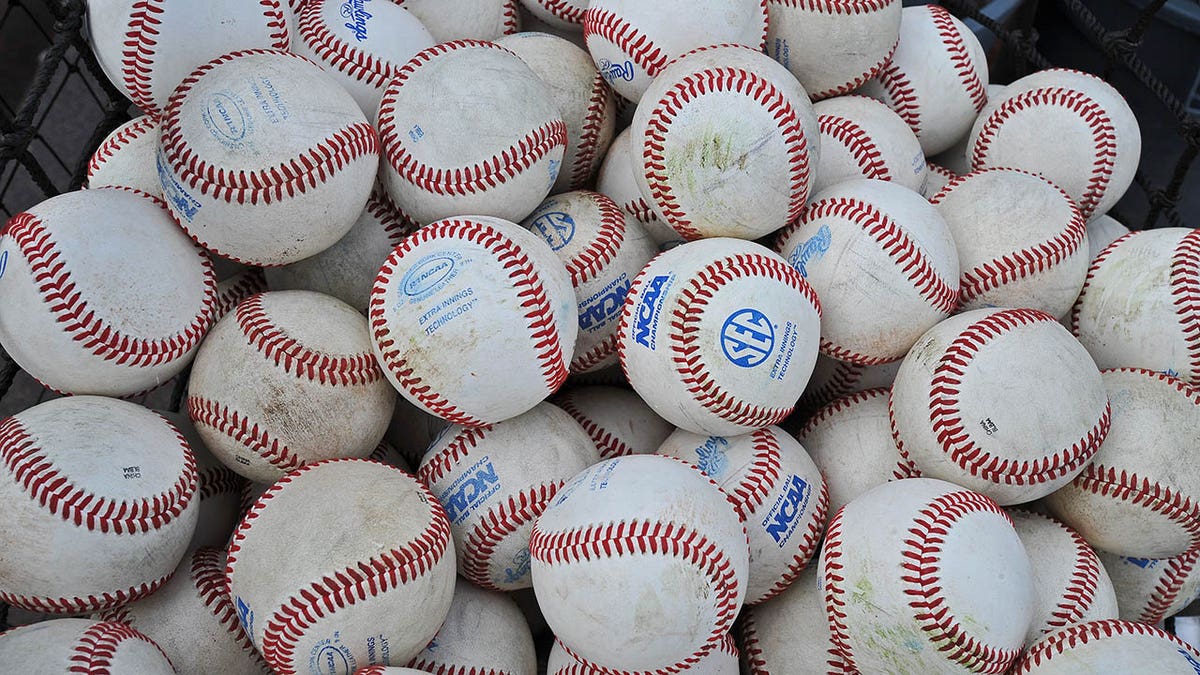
x,y
137,55
496,524
464,180
345,587
52,275
836,6
1091,275
243,431
808,547
512,18
637,45
950,430
1018,264
748,637
1083,633
922,553
434,467
1170,582
588,156
288,178
1080,592
604,245
338,54
1185,291
54,491
247,283
635,537
761,475
208,575
843,379
270,339
835,604
873,72
695,85
903,94
595,356
860,144
85,604
608,444
1129,487
960,57
564,10
92,654
896,243
686,347
531,293
124,136
1104,136
215,481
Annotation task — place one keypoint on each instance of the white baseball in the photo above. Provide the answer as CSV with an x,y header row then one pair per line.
x,y
1102,231
1071,583
81,646
100,503
126,157
618,420
584,99
850,439
347,270
905,276
484,632
390,670
923,576
833,47
936,80
307,386
146,48
218,488
778,492
957,160
1151,589
316,573
790,632
723,660
832,379
566,14
729,144
631,41
361,43
618,181
193,620
719,336
250,281
78,316
603,252
640,565
1002,401
938,178
1072,128
1140,495
265,137
501,160
1021,241
1109,646
863,138
1139,304
474,287
450,20
494,481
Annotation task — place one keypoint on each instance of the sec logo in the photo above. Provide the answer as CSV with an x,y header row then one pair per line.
x,y
747,338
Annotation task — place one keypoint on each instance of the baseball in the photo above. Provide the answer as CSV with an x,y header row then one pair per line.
x,y
81,646
632,41
249,281
639,564
719,336
218,488
729,144
723,660
450,20
1021,241
863,138
905,279
1150,590
1071,128
833,379
1140,495
566,14
1102,231
1137,307
126,157
474,287
1109,647
362,44
581,94
78,316
146,48
264,158
777,490
938,178
1002,401
618,420
100,503
617,181
833,48
790,632
308,386
494,481
921,575
193,621
440,164
484,632
325,599
603,252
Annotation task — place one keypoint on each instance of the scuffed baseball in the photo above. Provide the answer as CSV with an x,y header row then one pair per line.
x,y
1109,646
1102,231
618,420
82,646
618,181
483,631
790,632
126,157
721,661
832,379
1150,590
863,138
562,14
218,488
451,20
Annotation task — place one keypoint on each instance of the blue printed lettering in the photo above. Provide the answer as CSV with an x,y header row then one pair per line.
x,y
470,490
781,521
356,13
646,320
811,250
747,338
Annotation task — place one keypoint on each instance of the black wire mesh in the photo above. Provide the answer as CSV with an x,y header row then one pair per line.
x,y
56,106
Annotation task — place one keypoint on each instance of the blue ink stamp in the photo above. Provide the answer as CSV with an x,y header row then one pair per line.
x,y
781,520
811,250
649,308
711,456
227,118
184,205
416,133
556,227
747,338
470,490
331,657
612,71
356,15
519,570
430,274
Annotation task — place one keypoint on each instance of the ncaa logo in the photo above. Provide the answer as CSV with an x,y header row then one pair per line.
x,y
747,338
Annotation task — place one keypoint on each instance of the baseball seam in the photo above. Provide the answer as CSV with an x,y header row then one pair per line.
x,y
851,136
248,283
1093,269
338,54
858,82
604,245
87,603
98,645
629,40
208,576
762,474
107,150
1185,293
1080,634
243,431
607,443
960,57
835,6
587,153
1170,583
808,546
497,523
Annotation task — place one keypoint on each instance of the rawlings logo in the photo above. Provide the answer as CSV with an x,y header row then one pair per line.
x,y
785,514
470,490
520,567
356,12
3,263
612,71
747,338
647,312
811,250
711,456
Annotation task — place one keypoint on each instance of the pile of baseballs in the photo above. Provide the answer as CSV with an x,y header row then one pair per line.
x,y
661,337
